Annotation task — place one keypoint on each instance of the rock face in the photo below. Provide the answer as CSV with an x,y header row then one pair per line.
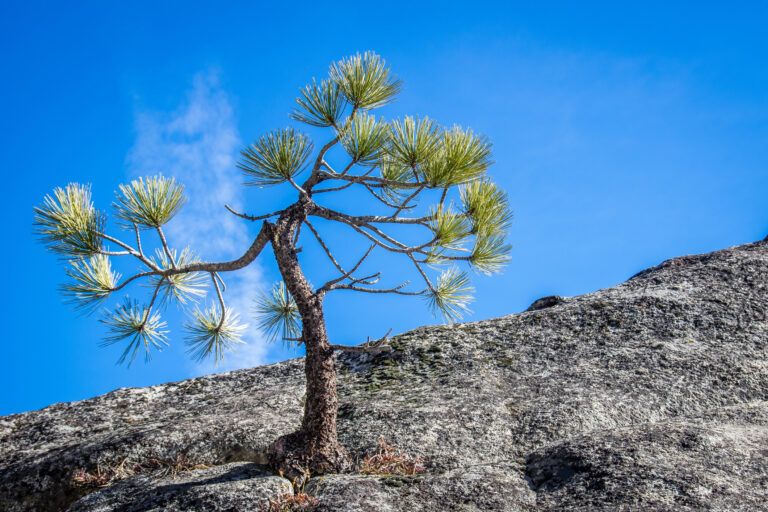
x,y
652,395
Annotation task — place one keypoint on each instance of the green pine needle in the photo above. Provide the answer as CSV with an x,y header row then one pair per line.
x,y
209,336
365,139
278,313
149,202
488,208
396,173
451,228
142,328
413,142
181,287
68,223
92,281
461,157
365,80
490,254
451,295
321,104
275,157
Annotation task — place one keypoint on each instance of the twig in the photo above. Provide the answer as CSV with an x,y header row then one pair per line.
x,y
152,302
325,247
372,347
221,300
405,202
138,239
165,247
252,217
347,274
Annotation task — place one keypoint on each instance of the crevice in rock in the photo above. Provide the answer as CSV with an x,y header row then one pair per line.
x,y
545,302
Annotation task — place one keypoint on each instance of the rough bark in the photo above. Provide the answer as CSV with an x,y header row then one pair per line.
x,y
314,448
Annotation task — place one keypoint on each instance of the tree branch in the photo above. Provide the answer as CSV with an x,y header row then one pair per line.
x,y
152,302
398,290
131,250
246,259
325,247
345,186
345,275
380,198
221,299
133,278
138,239
423,274
404,204
370,346
165,247
315,176
252,217
361,220
372,180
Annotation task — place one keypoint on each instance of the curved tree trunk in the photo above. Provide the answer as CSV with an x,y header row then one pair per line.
x,y
314,448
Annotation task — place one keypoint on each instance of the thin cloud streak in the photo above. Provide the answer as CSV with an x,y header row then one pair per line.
x,y
197,144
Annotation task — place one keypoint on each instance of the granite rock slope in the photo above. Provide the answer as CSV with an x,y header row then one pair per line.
x,y
652,395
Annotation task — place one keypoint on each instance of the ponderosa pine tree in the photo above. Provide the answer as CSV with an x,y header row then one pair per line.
x,y
396,164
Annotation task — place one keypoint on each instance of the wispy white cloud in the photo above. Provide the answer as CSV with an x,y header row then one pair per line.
x,y
197,143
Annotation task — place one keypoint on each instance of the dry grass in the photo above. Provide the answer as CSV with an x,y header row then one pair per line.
x,y
389,460
299,502
103,476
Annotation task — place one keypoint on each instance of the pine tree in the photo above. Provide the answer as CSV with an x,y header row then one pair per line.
x,y
429,179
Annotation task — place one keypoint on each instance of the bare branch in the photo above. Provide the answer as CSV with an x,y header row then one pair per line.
x,y
345,186
380,198
252,217
138,239
253,251
221,299
221,281
316,176
374,239
297,186
345,275
246,259
388,238
370,346
325,247
372,180
332,189
363,349
398,290
443,196
423,274
131,250
165,247
369,280
133,278
405,202
152,302
362,220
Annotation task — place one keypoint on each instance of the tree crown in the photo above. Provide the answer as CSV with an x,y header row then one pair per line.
x,y
399,164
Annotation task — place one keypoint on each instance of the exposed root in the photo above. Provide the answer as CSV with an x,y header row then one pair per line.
x,y
389,460
104,476
295,457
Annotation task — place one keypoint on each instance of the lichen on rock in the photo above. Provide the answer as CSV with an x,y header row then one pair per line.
x,y
652,395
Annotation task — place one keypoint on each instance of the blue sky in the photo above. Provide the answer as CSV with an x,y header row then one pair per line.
x,y
623,135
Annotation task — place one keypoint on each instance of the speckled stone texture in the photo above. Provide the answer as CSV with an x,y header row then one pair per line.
x,y
652,395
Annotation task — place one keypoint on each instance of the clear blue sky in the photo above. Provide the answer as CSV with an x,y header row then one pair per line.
x,y
624,136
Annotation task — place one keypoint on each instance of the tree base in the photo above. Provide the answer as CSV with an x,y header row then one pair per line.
x,y
297,457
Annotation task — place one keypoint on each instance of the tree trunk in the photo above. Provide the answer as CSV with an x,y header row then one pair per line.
x,y
314,448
